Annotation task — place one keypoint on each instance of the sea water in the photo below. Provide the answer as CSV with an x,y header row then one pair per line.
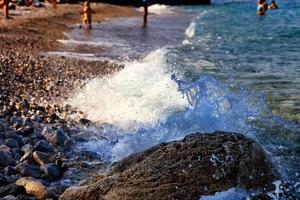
x,y
195,69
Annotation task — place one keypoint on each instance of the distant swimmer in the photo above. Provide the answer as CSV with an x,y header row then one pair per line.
x,y
145,5
87,15
262,7
273,5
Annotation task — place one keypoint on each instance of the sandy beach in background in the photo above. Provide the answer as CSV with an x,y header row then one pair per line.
x,y
26,72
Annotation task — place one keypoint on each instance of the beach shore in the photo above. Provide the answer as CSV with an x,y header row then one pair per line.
x,y
35,132
30,34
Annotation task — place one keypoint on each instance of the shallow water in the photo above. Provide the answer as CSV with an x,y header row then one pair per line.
x,y
195,69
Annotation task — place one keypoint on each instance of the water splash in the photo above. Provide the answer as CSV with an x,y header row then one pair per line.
x,y
190,31
212,106
140,95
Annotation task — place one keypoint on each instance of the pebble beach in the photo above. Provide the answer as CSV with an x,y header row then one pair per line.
x,y
35,140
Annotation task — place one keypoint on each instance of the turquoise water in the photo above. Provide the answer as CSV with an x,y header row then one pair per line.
x,y
258,52
195,69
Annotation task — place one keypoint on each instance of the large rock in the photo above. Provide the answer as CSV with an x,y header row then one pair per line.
x,y
199,164
34,187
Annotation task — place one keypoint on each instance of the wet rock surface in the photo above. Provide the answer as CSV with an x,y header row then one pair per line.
x,y
199,164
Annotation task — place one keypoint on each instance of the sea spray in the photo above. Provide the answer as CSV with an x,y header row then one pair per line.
x,y
141,94
211,106
190,31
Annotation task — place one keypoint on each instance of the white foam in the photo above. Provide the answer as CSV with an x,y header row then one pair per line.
x,y
90,43
230,194
158,9
190,31
142,93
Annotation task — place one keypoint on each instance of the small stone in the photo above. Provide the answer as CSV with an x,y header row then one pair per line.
x,y
2,127
26,156
2,135
84,121
17,125
69,143
5,148
9,170
9,197
52,171
262,197
36,118
27,122
12,143
34,187
25,131
18,139
14,120
43,146
29,170
41,158
27,148
58,137
14,178
6,159
11,189
3,180
17,156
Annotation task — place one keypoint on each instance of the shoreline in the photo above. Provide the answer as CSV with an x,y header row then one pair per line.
x,y
23,39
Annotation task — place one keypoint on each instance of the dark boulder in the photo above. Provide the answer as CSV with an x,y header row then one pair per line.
x,y
200,164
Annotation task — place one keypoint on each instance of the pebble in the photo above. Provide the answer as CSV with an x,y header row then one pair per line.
x,y
6,159
41,158
58,137
34,187
43,146
12,143
9,170
11,189
29,170
51,171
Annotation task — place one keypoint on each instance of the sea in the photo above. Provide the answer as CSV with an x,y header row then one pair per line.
x,y
195,69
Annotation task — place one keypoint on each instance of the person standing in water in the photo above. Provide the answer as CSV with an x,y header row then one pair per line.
x,y
273,5
5,5
87,15
262,7
145,5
